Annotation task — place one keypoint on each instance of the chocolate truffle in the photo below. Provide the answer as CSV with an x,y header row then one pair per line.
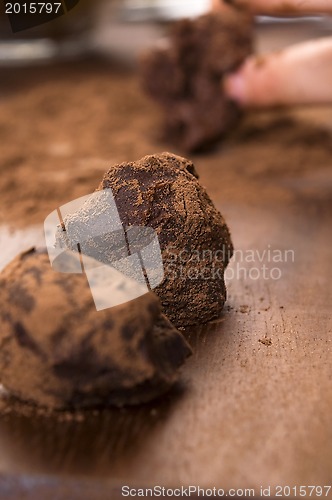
x,y
57,351
162,192
185,76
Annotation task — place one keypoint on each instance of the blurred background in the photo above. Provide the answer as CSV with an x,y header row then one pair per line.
x,y
122,28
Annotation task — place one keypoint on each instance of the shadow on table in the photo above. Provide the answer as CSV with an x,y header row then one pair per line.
x,y
93,442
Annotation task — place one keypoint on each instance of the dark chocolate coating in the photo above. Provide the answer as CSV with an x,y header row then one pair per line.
x,y
162,191
185,76
57,351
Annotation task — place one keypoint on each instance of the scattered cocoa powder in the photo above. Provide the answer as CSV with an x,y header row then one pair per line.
x,y
67,146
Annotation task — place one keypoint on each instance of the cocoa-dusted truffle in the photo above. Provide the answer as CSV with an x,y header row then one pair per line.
x,y
185,76
162,191
57,351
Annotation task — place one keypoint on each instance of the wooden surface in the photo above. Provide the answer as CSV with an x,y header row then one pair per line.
x,y
249,414
255,400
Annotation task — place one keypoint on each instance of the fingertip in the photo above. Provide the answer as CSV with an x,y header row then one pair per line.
x,y
234,86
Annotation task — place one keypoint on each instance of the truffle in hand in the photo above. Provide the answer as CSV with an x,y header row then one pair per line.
x,y
185,76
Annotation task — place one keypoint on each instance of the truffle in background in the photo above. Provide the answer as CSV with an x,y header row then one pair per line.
x,y
57,351
185,76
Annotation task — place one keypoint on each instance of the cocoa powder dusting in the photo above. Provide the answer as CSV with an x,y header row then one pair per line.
x,y
57,351
162,191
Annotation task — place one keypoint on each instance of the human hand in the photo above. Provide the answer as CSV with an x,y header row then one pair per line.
x,y
301,74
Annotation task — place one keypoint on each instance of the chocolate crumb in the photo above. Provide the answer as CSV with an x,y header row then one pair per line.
x,y
265,341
